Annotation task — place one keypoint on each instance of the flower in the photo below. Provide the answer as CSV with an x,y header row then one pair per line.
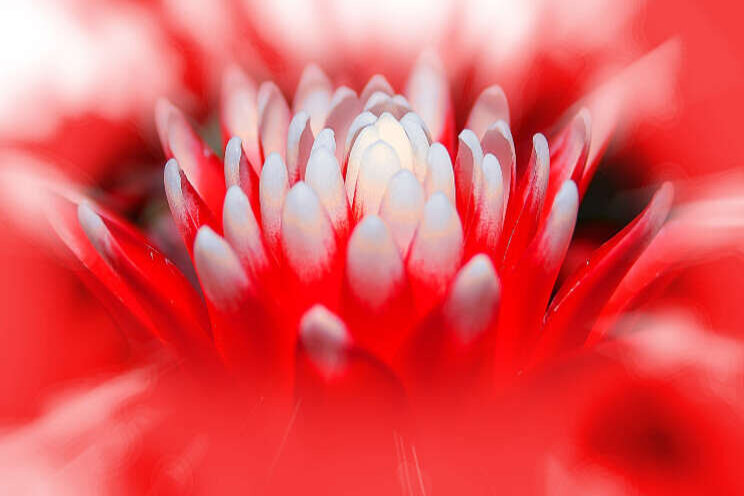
x,y
359,230
373,293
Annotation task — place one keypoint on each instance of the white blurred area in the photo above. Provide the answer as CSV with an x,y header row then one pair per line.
x,y
66,58
113,58
503,29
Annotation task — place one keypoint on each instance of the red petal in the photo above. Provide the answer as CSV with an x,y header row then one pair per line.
x,y
529,283
244,333
524,209
239,113
448,349
568,153
239,171
165,294
625,98
575,308
187,207
200,164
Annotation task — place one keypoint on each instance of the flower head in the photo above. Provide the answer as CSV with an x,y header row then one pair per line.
x,y
368,273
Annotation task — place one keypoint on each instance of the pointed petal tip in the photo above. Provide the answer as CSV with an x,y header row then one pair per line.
x,y
321,327
377,82
378,164
172,178
492,167
234,196
242,230
402,205
307,235
94,228
559,225
467,136
374,268
568,195
540,146
473,299
220,273
437,247
233,157
234,149
326,138
324,337
207,240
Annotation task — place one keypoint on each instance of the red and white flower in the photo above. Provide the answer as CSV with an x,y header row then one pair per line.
x,y
378,307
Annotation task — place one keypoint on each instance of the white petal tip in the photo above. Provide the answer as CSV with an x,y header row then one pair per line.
x,y
219,269
473,298
324,337
95,229
374,267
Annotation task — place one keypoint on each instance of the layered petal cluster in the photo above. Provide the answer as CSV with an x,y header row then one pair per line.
x,y
353,227
377,300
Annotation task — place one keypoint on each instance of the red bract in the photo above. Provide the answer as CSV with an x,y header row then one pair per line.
x,y
377,300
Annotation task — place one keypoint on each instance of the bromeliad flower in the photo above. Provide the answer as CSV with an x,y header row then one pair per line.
x,y
364,267
356,221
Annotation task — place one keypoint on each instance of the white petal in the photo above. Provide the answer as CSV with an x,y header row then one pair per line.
x,y
345,106
439,175
273,187
95,230
313,95
472,302
184,146
374,269
376,83
437,248
378,165
323,175
381,102
324,337
540,161
325,139
401,103
417,118
355,128
299,143
312,79
242,231
365,138
498,141
274,119
491,106
491,216
559,225
468,170
388,129
402,206
173,191
222,277
428,91
237,171
308,239
393,133
378,99
342,93
164,110
240,111
419,143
